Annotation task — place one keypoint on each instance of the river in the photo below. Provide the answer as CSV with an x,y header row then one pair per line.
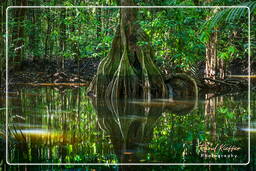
x,y
63,125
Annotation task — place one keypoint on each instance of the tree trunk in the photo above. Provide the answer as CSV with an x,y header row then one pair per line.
x,y
99,23
19,38
47,36
33,44
214,66
211,57
62,36
128,71
2,47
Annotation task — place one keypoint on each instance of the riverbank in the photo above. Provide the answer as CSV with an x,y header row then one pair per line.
x,y
80,73
44,72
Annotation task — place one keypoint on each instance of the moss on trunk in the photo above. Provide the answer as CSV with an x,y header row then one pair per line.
x,y
129,71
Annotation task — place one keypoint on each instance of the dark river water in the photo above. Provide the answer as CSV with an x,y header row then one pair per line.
x,y
54,125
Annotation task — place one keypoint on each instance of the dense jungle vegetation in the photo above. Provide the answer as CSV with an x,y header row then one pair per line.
x,y
210,42
141,51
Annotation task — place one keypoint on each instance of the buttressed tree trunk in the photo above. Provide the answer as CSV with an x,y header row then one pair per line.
x,y
129,71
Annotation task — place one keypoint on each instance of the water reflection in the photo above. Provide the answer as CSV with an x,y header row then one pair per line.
x,y
252,130
130,123
65,126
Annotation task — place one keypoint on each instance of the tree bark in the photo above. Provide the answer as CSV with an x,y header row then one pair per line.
x,y
2,47
19,36
47,34
214,66
211,57
63,36
33,43
128,71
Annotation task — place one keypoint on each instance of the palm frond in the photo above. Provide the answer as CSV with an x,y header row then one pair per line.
x,y
230,14
233,13
217,18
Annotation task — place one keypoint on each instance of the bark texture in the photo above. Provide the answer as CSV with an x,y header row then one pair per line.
x,y
214,66
129,71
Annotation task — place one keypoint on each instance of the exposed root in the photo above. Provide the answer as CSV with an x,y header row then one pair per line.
x,y
128,71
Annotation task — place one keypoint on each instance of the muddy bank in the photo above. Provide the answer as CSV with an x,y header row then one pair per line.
x,y
46,71
42,72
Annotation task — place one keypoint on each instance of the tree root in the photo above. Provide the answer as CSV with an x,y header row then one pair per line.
x,y
128,71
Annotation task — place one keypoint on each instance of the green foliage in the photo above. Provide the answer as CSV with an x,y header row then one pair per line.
x,y
225,111
178,36
231,25
175,35
228,53
176,136
231,15
63,33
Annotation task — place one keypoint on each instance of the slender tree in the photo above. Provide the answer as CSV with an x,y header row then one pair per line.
x,y
2,47
214,66
19,35
63,35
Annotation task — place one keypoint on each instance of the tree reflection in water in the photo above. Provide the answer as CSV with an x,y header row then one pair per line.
x,y
130,122
51,126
